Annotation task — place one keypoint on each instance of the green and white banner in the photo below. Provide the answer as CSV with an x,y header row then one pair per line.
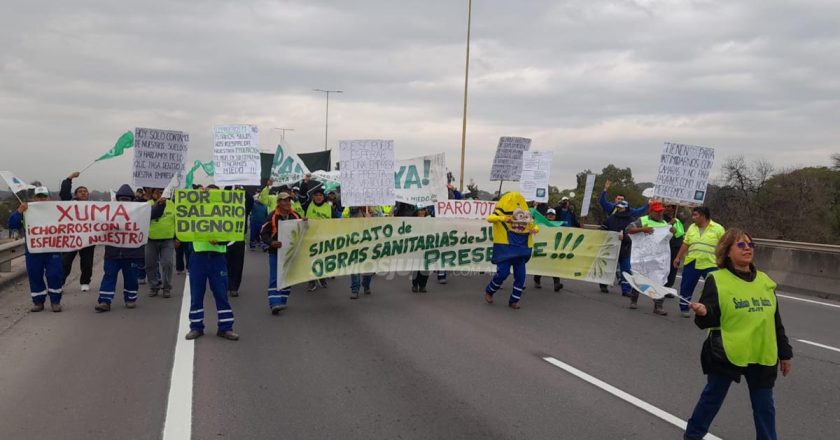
x,y
316,249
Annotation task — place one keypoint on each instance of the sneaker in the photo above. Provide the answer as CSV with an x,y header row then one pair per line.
x,y
514,306
323,283
167,294
103,307
685,314
234,293
194,334
85,287
153,293
313,286
229,335
414,289
131,304
367,290
605,289
659,311
55,307
558,286
37,308
277,309
354,295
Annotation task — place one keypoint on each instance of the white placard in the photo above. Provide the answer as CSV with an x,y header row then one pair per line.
x,y
367,172
70,226
684,173
158,155
420,181
536,170
651,254
236,154
507,163
587,195
474,209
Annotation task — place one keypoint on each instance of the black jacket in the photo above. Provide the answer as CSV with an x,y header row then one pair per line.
x,y
713,357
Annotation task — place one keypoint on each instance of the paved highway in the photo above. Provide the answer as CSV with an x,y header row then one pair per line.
x,y
392,365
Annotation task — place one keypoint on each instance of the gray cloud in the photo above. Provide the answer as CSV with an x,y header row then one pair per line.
x,y
598,82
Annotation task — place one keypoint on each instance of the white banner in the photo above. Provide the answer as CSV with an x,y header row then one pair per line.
x,y
367,172
236,154
651,254
421,180
507,163
287,167
158,155
684,173
587,195
474,209
536,169
70,226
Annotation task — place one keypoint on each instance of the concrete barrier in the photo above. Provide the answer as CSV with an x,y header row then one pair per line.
x,y
802,267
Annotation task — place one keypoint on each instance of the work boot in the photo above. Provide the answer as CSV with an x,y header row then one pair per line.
x,y
367,290
658,309
354,295
194,334
103,307
56,307
557,286
277,309
537,284
488,298
37,308
634,300
604,288
514,306
229,335
131,304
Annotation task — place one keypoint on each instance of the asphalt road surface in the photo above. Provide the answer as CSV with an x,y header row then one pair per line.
x,y
391,365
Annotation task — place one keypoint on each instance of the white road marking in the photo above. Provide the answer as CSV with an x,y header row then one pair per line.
x,y
827,347
178,422
674,420
809,300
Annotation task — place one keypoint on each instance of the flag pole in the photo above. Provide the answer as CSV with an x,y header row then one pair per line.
x,y
88,166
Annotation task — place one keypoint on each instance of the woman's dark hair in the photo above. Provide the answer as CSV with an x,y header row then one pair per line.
x,y
704,211
725,244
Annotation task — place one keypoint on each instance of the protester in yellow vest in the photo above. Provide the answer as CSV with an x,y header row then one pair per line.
x,y
318,209
698,248
270,200
160,249
646,224
746,337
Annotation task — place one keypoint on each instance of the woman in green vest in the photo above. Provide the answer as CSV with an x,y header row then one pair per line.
x,y
746,337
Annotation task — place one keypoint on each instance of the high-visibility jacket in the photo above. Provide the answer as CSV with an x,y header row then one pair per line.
x,y
203,246
701,247
649,222
314,211
747,318
163,228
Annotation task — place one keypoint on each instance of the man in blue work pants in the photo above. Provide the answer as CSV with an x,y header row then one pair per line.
x,y
208,264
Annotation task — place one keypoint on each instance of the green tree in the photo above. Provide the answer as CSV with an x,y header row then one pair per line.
x,y
622,182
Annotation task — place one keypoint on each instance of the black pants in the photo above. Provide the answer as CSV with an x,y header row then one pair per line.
x,y
182,256
675,249
235,264
420,279
85,261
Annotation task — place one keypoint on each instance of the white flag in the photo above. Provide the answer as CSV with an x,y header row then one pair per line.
x,y
15,184
177,182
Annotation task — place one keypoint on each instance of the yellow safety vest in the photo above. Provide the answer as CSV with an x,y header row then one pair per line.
x,y
701,247
163,228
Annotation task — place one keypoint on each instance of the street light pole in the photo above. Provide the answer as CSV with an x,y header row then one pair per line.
x,y
327,114
466,83
283,132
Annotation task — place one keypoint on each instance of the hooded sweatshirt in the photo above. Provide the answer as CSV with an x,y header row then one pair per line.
x,y
117,253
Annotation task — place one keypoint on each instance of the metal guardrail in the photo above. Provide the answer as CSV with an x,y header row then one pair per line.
x,y
8,252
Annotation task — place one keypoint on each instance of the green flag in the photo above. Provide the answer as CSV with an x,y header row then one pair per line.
x,y
208,167
125,142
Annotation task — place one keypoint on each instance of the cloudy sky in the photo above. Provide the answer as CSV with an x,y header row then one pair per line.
x,y
597,82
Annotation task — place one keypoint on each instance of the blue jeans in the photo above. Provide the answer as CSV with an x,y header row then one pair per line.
x,y
276,297
209,267
690,278
764,411
356,280
112,268
503,271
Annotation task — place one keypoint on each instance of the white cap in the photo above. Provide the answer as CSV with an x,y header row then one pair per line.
x,y
42,191
550,211
564,199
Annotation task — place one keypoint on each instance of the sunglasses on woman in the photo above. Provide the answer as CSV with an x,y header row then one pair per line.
x,y
744,245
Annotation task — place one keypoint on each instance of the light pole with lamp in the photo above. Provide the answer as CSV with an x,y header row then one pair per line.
x,y
466,83
283,132
327,114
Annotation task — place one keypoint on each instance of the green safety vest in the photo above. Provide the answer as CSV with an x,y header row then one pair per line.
x,y
203,246
680,229
314,211
747,318
163,228
298,208
701,247
648,222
